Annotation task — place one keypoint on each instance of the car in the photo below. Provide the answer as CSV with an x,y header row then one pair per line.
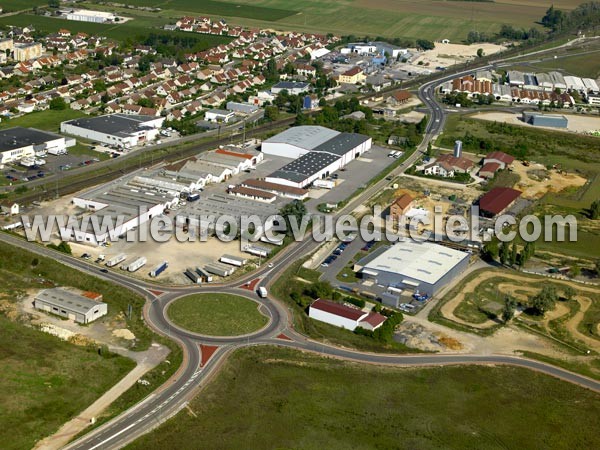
x,y
104,270
270,265
324,264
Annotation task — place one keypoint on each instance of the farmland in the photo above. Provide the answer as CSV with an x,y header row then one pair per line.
x,y
398,18
303,399
48,120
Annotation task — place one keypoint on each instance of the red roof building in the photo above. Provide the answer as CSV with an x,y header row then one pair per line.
x,y
488,170
499,157
344,316
497,201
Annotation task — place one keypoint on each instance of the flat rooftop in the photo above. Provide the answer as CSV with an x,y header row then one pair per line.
x,y
305,136
115,124
19,137
422,261
67,300
342,143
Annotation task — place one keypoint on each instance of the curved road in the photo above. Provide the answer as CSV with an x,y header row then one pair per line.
x,y
169,398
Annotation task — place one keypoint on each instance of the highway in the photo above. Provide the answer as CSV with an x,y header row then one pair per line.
x,y
172,396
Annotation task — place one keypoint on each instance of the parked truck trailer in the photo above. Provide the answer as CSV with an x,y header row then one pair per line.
x,y
159,269
134,265
116,260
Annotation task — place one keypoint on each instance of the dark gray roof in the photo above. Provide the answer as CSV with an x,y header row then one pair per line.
x,y
115,124
342,143
18,137
305,166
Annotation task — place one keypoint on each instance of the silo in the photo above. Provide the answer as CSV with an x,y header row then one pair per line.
x,y
457,149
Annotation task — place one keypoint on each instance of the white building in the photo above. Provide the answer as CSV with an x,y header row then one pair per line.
x,y
82,307
19,143
317,153
122,130
219,115
344,316
86,15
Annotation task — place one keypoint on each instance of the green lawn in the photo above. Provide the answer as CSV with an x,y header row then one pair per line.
x,y
48,120
20,5
217,314
302,401
44,382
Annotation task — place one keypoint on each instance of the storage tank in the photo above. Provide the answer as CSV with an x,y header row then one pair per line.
x,y
457,149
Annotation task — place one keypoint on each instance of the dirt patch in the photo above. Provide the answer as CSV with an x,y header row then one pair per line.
x,y
445,55
536,180
576,123
417,336
124,333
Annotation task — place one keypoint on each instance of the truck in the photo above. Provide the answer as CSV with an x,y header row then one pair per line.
x,y
192,275
136,264
257,251
206,277
262,291
116,260
233,260
159,269
193,197
327,184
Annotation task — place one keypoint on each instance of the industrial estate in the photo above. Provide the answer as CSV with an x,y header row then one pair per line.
x,y
213,204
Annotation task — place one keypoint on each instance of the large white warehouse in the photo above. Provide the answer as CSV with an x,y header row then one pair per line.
x,y
122,130
317,153
18,143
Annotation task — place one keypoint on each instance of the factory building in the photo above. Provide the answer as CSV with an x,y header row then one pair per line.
x,y
82,307
545,120
344,316
292,87
86,15
497,201
122,130
425,267
317,153
18,143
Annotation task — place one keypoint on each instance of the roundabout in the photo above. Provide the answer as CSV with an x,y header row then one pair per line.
x,y
217,314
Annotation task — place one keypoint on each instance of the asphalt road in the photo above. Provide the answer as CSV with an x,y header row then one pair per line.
x,y
176,392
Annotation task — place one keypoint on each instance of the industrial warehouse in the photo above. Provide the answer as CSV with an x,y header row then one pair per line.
x,y
19,143
121,130
317,152
84,307
423,267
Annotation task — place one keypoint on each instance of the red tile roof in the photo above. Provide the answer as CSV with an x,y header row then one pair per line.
x,y
403,201
490,167
337,309
353,71
498,199
501,156
462,163
374,319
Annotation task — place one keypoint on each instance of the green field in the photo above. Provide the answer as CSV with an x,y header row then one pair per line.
x,y
582,66
48,120
44,382
140,26
302,401
217,314
20,5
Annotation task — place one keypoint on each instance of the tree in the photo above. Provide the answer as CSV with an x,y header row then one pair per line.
x,y
595,210
504,253
293,211
544,301
569,293
597,267
490,250
54,3
319,289
514,254
424,44
58,103
575,271
510,306
271,113
480,53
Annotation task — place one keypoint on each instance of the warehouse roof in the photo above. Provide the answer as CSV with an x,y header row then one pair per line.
x,y
265,185
61,298
501,156
18,137
291,85
305,166
498,199
342,143
115,124
337,309
304,136
422,261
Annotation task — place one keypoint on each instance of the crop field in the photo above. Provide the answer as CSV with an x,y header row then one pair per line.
x,y
303,401
48,120
20,5
392,18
